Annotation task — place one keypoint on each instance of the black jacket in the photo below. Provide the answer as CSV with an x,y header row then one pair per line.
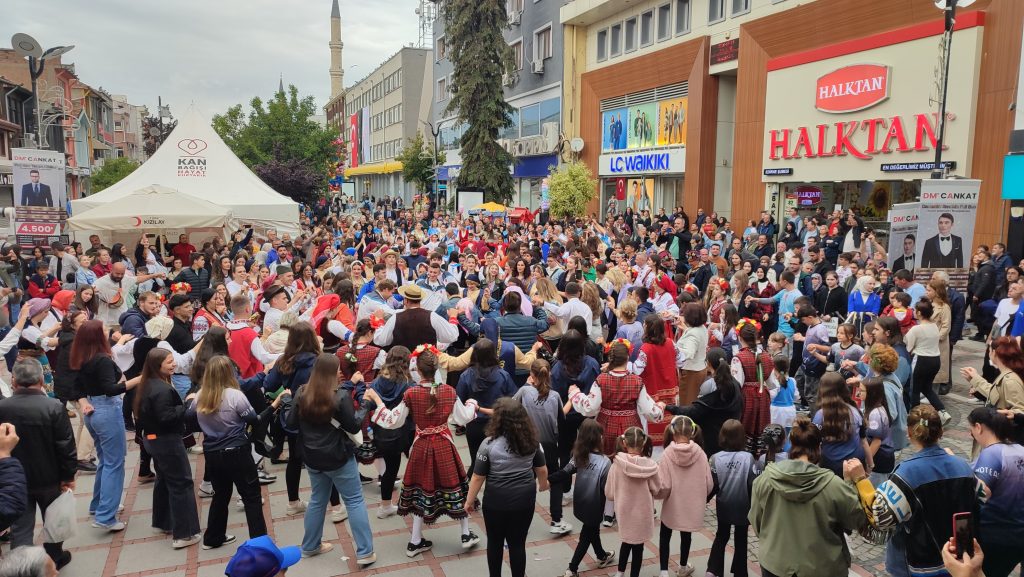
x,y
710,412
198,281
47,446
64,378
983,283
326,447
99,377
13,491
832,303
161,411
180,337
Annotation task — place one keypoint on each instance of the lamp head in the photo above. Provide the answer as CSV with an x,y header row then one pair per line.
x,y
941,4
57,51
26,46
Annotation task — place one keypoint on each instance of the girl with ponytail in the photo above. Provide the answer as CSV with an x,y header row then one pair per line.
x,y
633,483
361,355
711,410
435,481
684,469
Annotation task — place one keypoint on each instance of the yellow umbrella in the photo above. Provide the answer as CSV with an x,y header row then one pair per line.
x,y
490,207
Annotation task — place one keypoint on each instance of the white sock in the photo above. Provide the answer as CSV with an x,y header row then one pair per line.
x,y
609,509
417,530
464,524
379,463
618,574
663,574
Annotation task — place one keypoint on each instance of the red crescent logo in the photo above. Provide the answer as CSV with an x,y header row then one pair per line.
x,y
138,221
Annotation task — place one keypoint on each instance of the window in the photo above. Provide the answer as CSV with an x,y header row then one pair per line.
x,y
631,34
716,11
664,22
517,54
442,89
531,120
602,45
515,6
550,110
439,49
616,41
740,7
542,44
682,16
647,28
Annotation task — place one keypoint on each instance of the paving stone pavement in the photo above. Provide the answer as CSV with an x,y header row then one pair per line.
x,y
136,552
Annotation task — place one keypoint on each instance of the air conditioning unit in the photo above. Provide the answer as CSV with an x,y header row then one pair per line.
x,y
519,148
538,66
549,136
514,17
507,144
509,79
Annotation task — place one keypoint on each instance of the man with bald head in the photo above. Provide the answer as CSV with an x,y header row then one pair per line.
x,y
116,292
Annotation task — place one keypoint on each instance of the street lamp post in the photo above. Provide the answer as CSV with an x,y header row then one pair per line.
x,y
435,131
27,47
949,7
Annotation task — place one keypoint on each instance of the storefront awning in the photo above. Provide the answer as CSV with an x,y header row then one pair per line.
x,y
534,166
379,168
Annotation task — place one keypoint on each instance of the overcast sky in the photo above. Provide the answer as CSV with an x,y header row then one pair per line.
x,y
215,53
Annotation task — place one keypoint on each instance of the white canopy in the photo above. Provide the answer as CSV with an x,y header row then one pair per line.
x,y
154,207
195,162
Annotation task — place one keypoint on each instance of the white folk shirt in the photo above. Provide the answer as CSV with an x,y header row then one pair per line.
x,y
573,307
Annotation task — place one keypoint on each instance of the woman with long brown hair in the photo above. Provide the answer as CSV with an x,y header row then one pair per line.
x,y
160,420
325,421
841,424
435,481
291,371
936,292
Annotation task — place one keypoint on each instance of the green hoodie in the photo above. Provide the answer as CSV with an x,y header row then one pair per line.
x,y
800,513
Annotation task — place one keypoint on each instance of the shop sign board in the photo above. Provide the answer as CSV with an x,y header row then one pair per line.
x,y
659,161
852,88
725,51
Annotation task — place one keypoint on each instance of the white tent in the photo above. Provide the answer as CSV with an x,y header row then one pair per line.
x,y
194,161
152,208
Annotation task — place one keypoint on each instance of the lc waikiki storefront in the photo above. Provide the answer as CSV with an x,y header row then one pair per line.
x,y
852,121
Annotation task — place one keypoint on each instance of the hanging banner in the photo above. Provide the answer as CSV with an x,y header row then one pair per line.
x,y
39,191
903,236
945,237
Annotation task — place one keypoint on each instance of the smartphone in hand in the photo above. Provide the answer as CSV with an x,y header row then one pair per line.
x,y
963,533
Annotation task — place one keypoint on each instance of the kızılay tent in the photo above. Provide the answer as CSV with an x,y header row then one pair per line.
x,y
195,162
152,207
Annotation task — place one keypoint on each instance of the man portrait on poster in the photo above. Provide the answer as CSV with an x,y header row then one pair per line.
x,y
944,250
35,193
906,260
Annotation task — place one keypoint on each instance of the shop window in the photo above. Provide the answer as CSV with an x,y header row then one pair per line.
x,y
531,120
631,34
602,45
740,7
616,40
647,28
664,22
682,16
716,11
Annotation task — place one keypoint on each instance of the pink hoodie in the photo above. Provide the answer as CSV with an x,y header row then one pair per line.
x,y
683,470
632,483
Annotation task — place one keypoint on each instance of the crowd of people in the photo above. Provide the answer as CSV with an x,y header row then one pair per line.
x,y
637,367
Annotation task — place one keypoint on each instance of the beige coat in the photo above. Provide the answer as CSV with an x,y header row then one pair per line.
x,y
1007,392
942,317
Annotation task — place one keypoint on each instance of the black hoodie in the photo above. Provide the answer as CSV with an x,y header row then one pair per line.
x,y
710,412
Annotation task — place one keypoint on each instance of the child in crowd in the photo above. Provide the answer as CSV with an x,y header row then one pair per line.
x,y
899,309
774,442
776,342
784,393
590,466
733,471
878,431
545,409
845,348
633,481
629,328
683,469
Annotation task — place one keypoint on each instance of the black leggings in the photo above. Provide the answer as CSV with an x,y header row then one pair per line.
x,y
551,458
392,461
637,550
293,472
590,536
474,438
925,369
507,527
716,560
665,541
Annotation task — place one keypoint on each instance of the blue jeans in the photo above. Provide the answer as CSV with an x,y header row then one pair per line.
x,y
346,480
106,425
181,383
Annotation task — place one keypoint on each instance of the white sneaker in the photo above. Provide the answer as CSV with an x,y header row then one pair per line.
x,y
182,543
196,449
385,512
205,490
239,505
324,548
684,571
945,417
566,499
560,528
296,508
113,528
338,515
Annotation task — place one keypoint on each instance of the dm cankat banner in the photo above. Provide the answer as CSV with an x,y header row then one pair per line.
x,y
903,236
945,229
39,191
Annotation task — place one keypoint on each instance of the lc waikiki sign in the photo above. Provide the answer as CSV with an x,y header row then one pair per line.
x,y
658,161
837,113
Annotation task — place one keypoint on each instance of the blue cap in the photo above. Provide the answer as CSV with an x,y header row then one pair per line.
x,y
260,557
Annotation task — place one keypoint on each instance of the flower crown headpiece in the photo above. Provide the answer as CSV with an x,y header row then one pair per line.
x,y
723,285
423,348
181,286
748,321
628,345
376,322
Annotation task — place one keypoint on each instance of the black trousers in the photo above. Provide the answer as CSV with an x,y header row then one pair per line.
x,y
392,461
567,438
664,543
555,504
637,551
508,527
590,536
474,438
925,369
174,498
716,560
227,468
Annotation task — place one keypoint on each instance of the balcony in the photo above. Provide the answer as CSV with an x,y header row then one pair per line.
x,y
587,12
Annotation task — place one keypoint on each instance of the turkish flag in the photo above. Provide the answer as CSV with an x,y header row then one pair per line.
x,y
620,189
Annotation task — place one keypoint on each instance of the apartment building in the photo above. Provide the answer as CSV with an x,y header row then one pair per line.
x,y
128,137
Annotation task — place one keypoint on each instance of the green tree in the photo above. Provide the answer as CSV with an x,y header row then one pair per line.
x,y
113,170
480,56
417,160
571,188
280,132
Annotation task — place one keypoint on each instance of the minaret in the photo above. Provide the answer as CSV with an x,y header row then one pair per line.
x,y
337,72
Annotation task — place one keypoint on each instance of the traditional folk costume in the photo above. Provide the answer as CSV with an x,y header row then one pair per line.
x,y
657,366
618,399
435,481
756,397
